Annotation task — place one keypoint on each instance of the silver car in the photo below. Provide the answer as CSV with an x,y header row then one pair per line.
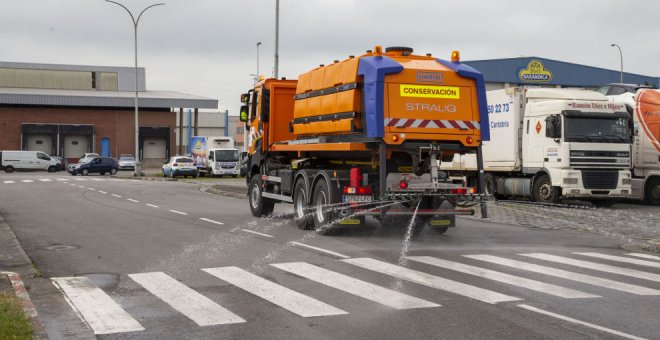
x,y
126,162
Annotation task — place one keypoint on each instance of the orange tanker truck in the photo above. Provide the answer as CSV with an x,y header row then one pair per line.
x,y
362,137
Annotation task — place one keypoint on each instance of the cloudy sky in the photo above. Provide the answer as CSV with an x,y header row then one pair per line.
x,y
208,47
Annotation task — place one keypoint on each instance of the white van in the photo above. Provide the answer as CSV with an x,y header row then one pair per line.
x,y
27,160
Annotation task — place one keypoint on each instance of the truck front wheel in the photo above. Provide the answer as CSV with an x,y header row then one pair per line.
x,y
259,205
544,192
304,219
652,193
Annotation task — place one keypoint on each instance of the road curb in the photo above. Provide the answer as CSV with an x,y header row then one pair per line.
x,y
28,307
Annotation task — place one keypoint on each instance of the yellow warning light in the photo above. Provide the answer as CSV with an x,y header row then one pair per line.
x,y
378,50
395,138
455,56
261,77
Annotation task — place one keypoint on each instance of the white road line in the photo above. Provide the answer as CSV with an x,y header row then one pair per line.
x,y
73,185
586,324
44,180
103,192
97,179
95,307
286,298
27,181
645,256
432,281
210,220
504,278
132,200
91,189
188,302
564,274
80,179
354,286
179,212
596,266
115,195
622,259
63,179
151,205
329,252
80,186
9,182
256,233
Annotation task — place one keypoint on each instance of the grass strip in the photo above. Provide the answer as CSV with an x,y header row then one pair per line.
x,y
14,324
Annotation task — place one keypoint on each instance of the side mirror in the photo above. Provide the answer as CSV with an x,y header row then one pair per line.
x,y
553,126
245,98
244,113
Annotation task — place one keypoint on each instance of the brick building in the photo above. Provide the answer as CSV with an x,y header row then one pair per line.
x,y
67,110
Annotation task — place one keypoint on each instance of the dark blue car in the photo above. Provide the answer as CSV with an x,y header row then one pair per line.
x,y
99,165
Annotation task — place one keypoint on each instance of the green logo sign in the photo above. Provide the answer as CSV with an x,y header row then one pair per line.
x,y
535,73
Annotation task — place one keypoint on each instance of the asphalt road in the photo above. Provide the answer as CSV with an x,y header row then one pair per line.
x,y
155,260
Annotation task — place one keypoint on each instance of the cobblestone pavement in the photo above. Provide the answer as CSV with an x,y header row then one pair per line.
x,y
631,221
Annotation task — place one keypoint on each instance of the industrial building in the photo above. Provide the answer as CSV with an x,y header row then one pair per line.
x,y
68,110
537,71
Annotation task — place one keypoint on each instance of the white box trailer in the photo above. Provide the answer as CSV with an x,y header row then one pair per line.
x,y
547,144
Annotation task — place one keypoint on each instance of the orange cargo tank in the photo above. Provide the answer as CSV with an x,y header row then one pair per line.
x,y
395,95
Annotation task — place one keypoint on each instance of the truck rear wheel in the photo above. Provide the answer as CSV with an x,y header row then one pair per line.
x,y
544,192
304,219
259,205
322,215
652,191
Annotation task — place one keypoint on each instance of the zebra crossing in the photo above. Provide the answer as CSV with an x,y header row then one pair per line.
x,y
105,316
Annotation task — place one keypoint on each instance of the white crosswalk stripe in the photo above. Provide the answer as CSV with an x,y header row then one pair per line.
x,y
622,259
542,287
431,280
63,179
354,286
286,298
27,181
190,303
44,180
96,308
564,274
596,266
80,179
645,256
9,182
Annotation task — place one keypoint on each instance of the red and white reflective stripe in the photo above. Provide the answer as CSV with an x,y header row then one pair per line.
x,y
432,123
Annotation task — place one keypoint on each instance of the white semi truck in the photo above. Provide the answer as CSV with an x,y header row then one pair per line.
x,y
215,156
646,146
549,144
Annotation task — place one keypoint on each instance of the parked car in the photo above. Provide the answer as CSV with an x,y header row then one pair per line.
x,y
100,165
180,166
88,155
26,160
622,93
59,163
126,162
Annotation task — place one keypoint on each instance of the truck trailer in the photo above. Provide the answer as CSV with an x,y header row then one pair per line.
x,y
549,144
215,156
646,146
361,137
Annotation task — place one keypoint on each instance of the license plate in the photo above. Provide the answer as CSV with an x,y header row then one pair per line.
x,y
357,198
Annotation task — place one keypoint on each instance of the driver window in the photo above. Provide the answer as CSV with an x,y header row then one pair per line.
x,y
211,154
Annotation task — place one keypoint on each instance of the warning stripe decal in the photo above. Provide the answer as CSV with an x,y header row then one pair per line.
x,y
432,123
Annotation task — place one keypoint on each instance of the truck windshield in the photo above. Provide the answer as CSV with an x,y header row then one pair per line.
x,y
597,130
226,155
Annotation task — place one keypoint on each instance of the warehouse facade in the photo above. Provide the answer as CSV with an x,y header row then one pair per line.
x,y
537,71
67,110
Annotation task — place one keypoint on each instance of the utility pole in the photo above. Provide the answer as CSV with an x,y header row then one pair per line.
x,y
621,55
277,37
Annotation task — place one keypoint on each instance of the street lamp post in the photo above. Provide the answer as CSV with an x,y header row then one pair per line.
x,y
258,44
621,55
277,39
138,165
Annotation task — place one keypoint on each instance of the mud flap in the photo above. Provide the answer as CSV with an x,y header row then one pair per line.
x,y
442,221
